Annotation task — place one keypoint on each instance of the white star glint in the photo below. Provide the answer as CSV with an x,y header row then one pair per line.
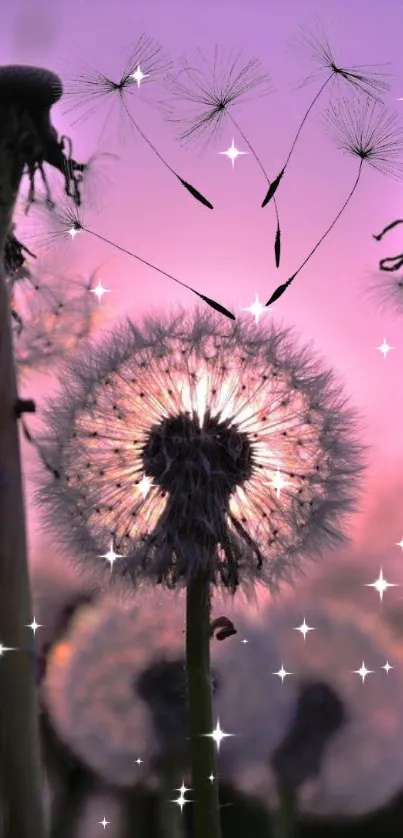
x,y
304,629
244,640
384,348
104,823
144,485
381,585
218,735
387,667
34,626
6,649
257,309
111,556
138,76
282,673
99,291
73,231
400,544
181,800
211,778
278,482
139,761
232,153
363,672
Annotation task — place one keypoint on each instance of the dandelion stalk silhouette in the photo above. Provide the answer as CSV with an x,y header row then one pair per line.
x,y
27,139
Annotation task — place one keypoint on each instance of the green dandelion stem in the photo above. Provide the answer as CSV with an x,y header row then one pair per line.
x,y
206,807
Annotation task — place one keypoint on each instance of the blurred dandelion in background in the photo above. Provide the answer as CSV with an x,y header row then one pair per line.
x,y
362,766
114,687
249,450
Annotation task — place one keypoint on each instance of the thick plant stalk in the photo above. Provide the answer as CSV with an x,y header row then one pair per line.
x,y
206,807
285,817
19,744
170,817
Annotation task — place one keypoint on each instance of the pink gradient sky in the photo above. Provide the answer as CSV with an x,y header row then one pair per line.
x,y
227,254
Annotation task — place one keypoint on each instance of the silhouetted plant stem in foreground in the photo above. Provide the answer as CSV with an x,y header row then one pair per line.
x,y
390,226
27,139
206,811
285,818
170,816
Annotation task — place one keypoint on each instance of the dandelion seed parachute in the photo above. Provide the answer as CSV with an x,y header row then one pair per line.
x,y
367,131
362,767
184,427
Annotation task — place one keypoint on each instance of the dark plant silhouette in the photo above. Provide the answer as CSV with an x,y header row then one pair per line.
x,y
387,289
145,63
364,129
365,80
204,99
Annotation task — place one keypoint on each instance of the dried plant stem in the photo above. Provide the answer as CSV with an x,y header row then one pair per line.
x,y
20,768
284,819
170,817
206,807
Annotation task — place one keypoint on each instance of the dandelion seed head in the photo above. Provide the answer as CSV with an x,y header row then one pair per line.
x,y
202,96
210,415
116,688
313,43
362,765
386,290
365,129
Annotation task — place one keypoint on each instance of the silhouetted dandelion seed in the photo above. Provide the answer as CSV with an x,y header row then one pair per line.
x,y
208,96
387,291
67,222
363,79
366,130
92,87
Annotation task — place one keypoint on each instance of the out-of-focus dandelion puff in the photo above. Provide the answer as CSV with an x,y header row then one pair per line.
x,y
202,97
213,417
366,129
386,290
96,177
51,314
362,765
91,683
312,43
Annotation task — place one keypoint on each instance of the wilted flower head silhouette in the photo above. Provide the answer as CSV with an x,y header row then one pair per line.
x,y
230,451
362,765
99,684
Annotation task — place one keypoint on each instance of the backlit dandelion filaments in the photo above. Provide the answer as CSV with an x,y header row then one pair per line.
x,y
362,79
145,64
364,129
385,288
212,418
204,99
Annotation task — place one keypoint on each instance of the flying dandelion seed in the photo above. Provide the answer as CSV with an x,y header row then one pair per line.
x,y
116,688
67,222
362,79
210,416
91,88
207,96
362,765
366,130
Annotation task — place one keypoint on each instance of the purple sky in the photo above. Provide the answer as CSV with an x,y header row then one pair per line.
x,y
227,254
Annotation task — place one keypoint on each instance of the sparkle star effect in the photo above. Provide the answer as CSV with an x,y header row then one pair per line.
x,y
363,672
400,544
282,673
387,667
257,309
4,649
34,626
218,735
144,485
99,291
181,800
381,585
139,761
138,76
67,221
304,629
104,822
111,556
279,482
384,348
233,153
